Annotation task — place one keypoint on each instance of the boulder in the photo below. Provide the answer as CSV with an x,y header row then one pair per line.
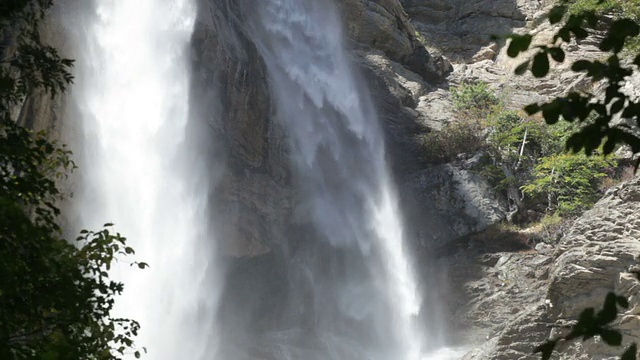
x,y
462,199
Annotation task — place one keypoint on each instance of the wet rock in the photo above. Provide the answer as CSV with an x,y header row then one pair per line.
x,y
486,53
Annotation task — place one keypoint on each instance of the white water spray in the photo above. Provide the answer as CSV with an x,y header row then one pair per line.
x,y
338,154
132,95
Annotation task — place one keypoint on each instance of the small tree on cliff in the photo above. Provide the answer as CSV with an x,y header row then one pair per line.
x,y
55,298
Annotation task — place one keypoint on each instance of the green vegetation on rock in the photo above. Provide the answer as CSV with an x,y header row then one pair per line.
x,y
570,182
525,159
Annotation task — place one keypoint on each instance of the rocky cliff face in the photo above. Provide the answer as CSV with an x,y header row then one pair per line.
x,y
398,46
408,83
600,254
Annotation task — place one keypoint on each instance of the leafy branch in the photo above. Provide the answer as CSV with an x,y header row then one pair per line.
x,y
607,121
591,324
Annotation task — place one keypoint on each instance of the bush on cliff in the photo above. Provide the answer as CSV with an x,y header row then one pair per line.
x,y
526,160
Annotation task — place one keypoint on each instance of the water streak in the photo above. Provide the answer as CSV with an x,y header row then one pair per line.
x,y
338,154
132,97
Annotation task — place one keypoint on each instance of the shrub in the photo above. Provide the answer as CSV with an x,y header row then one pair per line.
x,y
474,99
569,181
525,158
473,104
457,137
553,227
506,135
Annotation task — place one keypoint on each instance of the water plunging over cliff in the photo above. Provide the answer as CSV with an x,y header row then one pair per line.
x,y
350,289
132,101
359,299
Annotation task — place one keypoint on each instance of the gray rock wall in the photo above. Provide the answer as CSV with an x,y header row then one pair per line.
x,y
600,254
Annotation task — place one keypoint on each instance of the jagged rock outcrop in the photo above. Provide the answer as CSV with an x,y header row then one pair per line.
x,y
458,193
254,197
600,255
385,26
461,28
489,278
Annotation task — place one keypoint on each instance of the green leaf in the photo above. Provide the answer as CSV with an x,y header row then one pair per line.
x,y
579,32
632,110
532,109
551,112
611,337
622,301
557,13
630,353
563,34
609,146
609,310
557,54
581,65
586,325
522,68
545,349
540,66
617,106
519,43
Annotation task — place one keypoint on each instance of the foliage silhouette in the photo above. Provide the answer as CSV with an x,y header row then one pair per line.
x,y
56,297
591,324
605,122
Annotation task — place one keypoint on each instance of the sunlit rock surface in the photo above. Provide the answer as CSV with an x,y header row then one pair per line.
x,y
599,255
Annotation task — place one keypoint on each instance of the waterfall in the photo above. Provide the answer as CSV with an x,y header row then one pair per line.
x,y
364,300
350,292
139,170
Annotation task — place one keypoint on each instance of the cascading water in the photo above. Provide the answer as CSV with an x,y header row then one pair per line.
x,y
132,102
364,303
351,293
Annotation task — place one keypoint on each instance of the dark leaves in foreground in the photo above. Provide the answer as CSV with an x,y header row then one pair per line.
x,y
591,324
595,114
